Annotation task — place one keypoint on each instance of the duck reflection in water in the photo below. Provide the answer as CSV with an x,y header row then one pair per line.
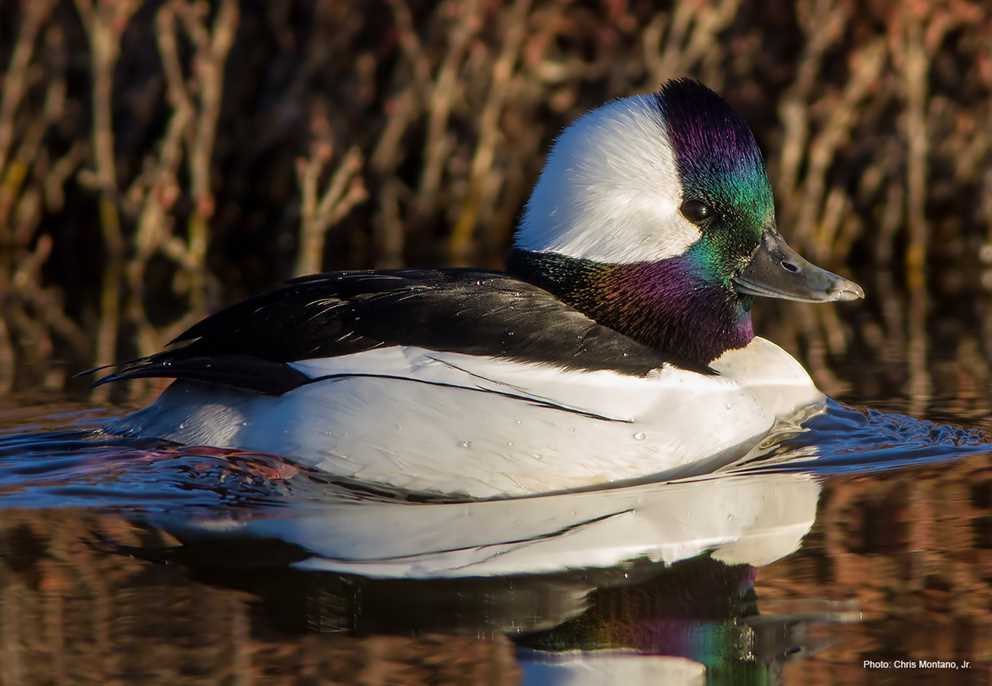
x,y
663,569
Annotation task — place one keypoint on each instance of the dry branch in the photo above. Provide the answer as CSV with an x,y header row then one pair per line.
x,y
875,122
322,210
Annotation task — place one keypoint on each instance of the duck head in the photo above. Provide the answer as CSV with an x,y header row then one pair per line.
x,y
654,216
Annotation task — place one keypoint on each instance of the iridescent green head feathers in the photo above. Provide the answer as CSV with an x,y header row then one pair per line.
x,y
725,190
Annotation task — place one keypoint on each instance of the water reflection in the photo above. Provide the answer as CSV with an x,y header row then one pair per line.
x,y
656,581
737,519
665,570
700,612
581,580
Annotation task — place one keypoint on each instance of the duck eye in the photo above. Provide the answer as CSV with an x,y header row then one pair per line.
x,y
696,211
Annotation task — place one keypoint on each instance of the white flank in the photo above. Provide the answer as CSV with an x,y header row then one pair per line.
x,y
461,424
610,191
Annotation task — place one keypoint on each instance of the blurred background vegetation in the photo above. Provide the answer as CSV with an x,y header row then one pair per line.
x,y
159,159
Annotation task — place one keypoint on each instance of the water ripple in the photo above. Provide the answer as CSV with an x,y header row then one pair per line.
x,y
849,440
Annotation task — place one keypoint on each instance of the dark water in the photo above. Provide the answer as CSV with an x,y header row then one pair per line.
x,y
867,535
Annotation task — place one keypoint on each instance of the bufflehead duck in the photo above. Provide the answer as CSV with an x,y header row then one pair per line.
x,y
618,346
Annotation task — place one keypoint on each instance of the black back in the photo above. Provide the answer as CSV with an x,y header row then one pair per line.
x,y
247,345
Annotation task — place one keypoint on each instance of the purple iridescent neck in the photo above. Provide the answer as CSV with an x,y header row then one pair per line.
x,y
677,306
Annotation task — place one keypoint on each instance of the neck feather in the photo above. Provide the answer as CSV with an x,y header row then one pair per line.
x,y
673,305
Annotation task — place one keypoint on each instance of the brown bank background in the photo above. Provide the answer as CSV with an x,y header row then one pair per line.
x,y
161,159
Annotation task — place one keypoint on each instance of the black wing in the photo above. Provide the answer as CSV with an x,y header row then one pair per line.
x,y
247,345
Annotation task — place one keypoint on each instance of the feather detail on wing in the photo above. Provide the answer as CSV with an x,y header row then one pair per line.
x,y
251,344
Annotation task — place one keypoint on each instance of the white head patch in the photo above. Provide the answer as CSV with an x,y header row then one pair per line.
x,y
609,190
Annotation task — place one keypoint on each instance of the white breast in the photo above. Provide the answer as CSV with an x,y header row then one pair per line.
x,y
425,421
